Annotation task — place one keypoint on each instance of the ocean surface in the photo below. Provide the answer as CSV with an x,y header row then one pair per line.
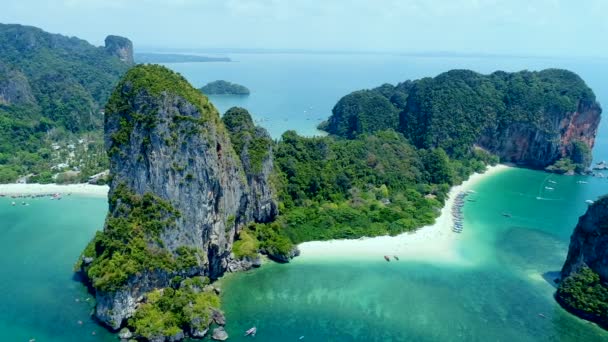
x,y
501,294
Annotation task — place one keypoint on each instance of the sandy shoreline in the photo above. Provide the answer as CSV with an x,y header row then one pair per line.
x,y
38,189
430,243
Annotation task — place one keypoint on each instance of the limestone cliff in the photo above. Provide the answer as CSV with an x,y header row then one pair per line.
x,y
583,289
541,143
254,146
589,242
15,88
178,193
530,118
120,47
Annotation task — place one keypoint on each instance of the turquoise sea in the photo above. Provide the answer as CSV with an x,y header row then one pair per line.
x,y
501,295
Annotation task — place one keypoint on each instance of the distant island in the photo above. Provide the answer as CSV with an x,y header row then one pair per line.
x,y
143,58
222,87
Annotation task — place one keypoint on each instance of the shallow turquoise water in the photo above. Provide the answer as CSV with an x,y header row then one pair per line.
x,y
502,296
499,298
40,244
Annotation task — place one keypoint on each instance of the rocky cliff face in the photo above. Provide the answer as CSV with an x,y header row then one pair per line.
x,y
583,287
178,192
537,145
14,87
529,118
254,146
589,242
120,47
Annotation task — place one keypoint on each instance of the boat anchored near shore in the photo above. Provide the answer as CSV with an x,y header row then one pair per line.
x,y
251,332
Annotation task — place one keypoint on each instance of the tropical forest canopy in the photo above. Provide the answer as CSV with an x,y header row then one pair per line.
x,y
52,90
454,109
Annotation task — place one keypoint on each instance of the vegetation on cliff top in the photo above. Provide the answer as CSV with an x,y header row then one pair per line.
x,y
585,295
222,87
53,90
452,110
251,143
169,312
130,242
154,81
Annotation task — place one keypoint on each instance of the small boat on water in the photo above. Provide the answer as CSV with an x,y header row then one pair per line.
x,y
251,332
396,257
589,201
552,181
581,182
506,214
386,257
13,204
549,188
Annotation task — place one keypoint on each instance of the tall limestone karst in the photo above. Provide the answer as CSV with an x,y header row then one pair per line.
x,y
120,47
583,288
532,119
52,89
178,197
255,148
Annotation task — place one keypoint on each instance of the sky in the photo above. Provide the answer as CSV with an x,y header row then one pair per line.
x,y
514,27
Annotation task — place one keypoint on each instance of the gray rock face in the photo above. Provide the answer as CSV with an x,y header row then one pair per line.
x,y
163,144
113,308
125,334
169,144
14,87
244,264
255,148
196,172
219,334
218,318
589,242
120,47
263,199
284,258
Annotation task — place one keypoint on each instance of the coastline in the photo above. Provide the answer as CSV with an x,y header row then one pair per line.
x,y
15,189
436,242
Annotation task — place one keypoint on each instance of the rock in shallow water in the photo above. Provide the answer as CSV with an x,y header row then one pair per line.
x,y
218,317
125,334
219,334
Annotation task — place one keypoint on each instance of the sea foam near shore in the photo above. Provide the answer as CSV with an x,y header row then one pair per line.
x,y
434,243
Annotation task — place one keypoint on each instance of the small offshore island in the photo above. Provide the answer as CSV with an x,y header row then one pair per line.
x,y
222,87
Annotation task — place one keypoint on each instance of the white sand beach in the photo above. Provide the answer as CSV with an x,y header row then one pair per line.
x,y
434,243
37,189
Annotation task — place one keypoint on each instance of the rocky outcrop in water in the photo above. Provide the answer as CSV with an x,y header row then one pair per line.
x,y
589,242
120,47
583,289
178,197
